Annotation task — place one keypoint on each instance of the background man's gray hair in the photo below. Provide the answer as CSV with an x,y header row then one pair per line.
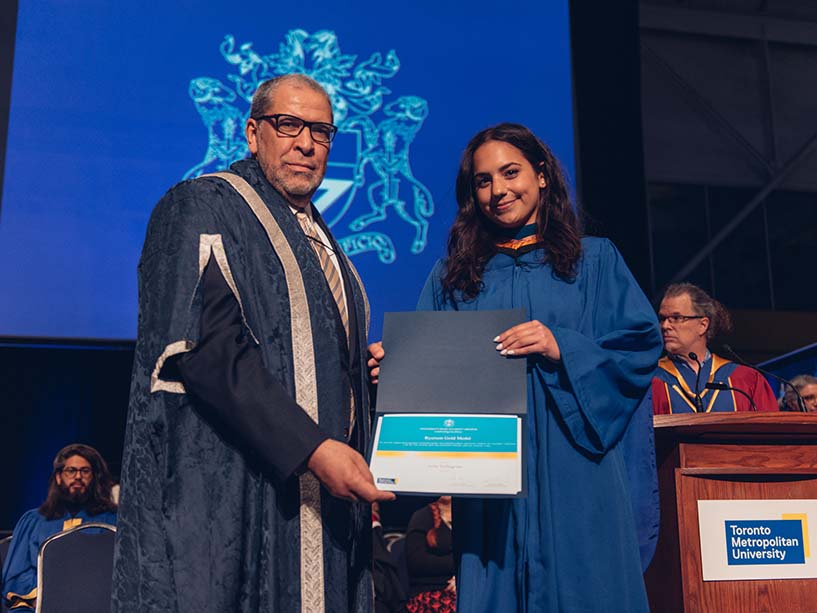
x,y
263,97
720,321
799,382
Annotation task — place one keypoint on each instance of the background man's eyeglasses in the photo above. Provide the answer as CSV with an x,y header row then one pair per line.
x,y
678,319
289,125
71,472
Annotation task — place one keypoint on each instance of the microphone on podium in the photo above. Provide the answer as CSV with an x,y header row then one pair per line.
x,y
715,385
800,403
698,400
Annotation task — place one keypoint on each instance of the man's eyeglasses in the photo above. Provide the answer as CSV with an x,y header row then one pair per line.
x,y
289,125
677,319
71,472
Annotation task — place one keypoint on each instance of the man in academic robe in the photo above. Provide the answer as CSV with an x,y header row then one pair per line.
x,y
690,319
243,484
79,491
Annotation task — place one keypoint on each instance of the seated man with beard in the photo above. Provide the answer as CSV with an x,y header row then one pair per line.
x,y
79,490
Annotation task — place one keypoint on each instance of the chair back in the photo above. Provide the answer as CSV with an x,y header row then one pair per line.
x,y
75,570
4,550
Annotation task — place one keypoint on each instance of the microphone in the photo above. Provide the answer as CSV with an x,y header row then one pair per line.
x,y
715,385
698,400
740,360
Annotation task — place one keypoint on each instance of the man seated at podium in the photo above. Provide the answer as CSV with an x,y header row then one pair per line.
x,y
691,379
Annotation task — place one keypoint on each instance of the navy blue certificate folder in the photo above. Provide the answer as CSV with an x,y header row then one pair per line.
x,y
447,362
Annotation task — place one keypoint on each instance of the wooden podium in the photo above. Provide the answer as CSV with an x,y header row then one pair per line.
x,y
727,456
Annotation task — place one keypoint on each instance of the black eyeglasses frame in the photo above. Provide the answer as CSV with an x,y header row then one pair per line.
x,y
275,119
682,319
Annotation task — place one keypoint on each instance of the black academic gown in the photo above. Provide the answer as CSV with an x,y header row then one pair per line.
x,y
211,509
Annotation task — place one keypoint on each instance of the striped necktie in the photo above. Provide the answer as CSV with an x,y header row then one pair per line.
x,y
333,278
335,283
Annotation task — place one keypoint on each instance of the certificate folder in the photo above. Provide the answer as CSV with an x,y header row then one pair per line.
x,y
449,407
447,362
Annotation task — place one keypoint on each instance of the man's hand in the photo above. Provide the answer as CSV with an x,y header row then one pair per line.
x,y
344,472
376,354
529,337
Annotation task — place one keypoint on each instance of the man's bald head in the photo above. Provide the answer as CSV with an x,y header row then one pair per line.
x,y
263,98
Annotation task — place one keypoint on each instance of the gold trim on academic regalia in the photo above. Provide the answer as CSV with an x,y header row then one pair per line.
x,y
157,384
24,600
717,363
306,394
669,397
666,364
682,395
209,245
212,245
517,243
71,522
732,393
712,400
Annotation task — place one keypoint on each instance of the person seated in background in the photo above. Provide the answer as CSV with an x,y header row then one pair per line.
x,y
806,386
430,557
79,490
689,320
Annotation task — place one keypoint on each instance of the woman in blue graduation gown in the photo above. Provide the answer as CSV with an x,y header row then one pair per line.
x,y
591,344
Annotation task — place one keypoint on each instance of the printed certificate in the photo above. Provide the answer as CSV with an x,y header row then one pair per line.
x,y
454,453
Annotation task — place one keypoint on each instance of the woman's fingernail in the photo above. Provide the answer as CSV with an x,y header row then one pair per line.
x,y
510,352
503,352
499,347
496,338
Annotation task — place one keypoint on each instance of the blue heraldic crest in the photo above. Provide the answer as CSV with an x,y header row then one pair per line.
x,y
370,177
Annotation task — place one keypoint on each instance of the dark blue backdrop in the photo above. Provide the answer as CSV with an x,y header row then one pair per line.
x,y
103,121
52,396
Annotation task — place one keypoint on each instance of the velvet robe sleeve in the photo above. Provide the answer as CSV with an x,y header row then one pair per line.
x,y
604,375
226,375
198,324
20,566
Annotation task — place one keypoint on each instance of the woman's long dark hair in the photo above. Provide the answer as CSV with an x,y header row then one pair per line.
x,y
99,499
472,240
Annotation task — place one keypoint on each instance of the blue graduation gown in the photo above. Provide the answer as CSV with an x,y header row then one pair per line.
x,y
20,567
573,543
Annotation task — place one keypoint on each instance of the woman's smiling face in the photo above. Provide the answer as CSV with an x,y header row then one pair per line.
x,y
506,186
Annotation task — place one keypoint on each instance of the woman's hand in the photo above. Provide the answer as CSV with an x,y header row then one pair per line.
x,y
376,354
527,338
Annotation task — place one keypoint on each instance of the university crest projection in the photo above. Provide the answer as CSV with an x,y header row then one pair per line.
x,y
369,185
